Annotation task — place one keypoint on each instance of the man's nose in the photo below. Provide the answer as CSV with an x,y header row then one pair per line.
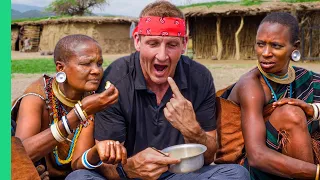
x,y
162,54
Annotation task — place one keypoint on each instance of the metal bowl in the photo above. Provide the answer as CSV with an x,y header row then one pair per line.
x,y
191,156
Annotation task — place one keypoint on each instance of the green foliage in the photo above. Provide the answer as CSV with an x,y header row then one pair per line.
x,y
37,19
296,1
208,4
250,2
31,66
41,65
75,7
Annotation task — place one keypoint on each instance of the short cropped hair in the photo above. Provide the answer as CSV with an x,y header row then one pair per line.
x,y
287,20
162,9
65,47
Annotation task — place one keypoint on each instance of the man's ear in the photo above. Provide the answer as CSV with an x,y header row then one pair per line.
x,y
60,66
185,44
137,41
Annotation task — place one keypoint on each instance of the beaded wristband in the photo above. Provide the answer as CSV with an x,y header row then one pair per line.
x,y
318,107
77,114
86,163
66,125
57,136
65,138
84,112
80,112
315,111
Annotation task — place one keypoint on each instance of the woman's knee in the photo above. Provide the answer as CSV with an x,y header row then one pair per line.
x,y
288,117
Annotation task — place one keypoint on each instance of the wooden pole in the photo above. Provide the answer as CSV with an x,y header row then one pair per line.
x,y
237,56
219,42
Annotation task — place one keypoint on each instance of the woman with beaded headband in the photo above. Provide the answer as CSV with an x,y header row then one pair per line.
x,y
278,145
56,112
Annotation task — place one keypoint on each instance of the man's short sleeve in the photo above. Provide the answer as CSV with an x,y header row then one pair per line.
x,y
108,124
206,111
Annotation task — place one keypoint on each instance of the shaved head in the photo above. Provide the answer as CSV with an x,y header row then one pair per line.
x,y
66,46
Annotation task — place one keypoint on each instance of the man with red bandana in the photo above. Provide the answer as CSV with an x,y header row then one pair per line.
x,y
165,99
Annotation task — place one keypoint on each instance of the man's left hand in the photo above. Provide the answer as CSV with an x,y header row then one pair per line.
x,y
179,111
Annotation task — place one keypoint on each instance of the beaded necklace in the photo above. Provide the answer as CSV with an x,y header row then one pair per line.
x,y
57,112
289,77
274,95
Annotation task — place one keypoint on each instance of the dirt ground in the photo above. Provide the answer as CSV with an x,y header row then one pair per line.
x,y
224,72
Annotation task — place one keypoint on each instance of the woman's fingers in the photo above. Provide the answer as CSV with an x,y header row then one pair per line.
x,y
40,168
44,176
113,152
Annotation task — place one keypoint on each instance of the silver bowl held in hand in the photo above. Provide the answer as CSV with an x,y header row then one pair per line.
x,y
191,156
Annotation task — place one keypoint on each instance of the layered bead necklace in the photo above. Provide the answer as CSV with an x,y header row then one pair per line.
x,y
288,78
57,99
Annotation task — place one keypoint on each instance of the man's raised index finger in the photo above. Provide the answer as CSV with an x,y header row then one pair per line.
x,y
174,88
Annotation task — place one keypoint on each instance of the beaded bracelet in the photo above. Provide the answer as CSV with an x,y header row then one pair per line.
x,y
83,119
86,163
58,129
57,136
84,112
316,109
66,125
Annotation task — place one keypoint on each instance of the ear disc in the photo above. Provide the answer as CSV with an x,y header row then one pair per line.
x,y
295,55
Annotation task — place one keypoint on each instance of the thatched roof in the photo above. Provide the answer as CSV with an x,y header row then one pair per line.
x,y
238,10
76,19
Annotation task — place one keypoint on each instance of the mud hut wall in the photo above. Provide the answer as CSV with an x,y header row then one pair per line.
x,y
33,33
247,36
14,38
203,33
204,36
313,20
114,38
229,26
52,33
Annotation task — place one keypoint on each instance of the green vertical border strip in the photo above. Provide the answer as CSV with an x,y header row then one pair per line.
x,y
5,103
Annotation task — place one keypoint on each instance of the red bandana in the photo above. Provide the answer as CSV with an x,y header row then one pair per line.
x,y
161,26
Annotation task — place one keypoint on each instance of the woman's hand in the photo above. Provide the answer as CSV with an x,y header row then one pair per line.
x,y
97,102
307,108
44,175
111,152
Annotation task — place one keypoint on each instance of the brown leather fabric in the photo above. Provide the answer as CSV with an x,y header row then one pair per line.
x,y
22,167
229,132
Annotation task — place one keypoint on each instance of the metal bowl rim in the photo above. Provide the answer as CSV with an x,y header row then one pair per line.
x,y
203,147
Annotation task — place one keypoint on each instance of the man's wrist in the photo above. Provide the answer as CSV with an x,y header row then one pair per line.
x,y
127,169
196,135
121,172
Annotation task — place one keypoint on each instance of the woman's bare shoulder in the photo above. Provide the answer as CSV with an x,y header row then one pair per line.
x,y
247,84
